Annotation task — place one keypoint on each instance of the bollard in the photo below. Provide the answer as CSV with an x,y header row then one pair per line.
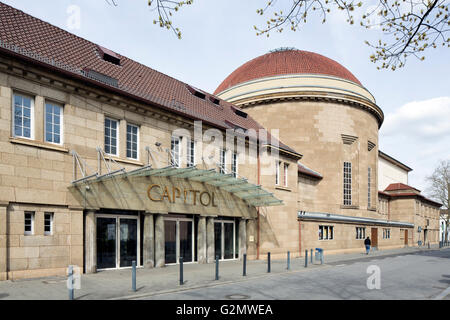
x,y
268,262
133,276
181,271
428,245
289,260
312,261
70,283
244,268
217,267
321,257
306,258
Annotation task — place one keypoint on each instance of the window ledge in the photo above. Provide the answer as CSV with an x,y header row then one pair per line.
x,y
372,209
38,144
349,206
283,188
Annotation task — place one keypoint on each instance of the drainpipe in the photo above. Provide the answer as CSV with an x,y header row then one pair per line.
x,y
257,225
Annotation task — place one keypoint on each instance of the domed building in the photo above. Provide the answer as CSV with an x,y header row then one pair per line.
x,y
326,114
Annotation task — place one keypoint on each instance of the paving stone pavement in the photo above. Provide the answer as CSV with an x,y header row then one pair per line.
x,y
116,284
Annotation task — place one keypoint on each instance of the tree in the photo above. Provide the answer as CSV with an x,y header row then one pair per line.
x,y
440,188
408,27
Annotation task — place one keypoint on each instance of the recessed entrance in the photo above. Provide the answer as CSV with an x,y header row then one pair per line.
x,y
179,239
225,238
117,241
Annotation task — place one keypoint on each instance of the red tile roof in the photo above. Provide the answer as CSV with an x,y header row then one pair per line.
x,y
286,62
37,41
399,186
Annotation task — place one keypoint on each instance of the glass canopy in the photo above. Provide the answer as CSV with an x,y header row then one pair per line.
x,y
251,193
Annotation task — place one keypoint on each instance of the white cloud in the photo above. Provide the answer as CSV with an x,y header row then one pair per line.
x,y
418,134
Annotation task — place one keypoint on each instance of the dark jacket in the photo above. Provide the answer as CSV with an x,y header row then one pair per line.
x,y
367,242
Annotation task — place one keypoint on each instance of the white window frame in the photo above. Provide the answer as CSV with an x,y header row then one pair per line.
x,y
190,155
61,122
329,232
285,174
175,154
31,137
235,164
51,214
31,232
347,186
223,161
131,142
360,233
117,136
277,172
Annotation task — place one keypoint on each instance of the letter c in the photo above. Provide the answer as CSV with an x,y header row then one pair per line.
x,y
149,190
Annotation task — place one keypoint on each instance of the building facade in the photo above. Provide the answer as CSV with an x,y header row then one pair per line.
x,y
104,161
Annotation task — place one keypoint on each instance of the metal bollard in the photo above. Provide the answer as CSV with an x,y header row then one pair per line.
x,y
268,262
181,271
306,258
70,283
289,260
244,271
428,245
321,257
312,252
133,276
217,267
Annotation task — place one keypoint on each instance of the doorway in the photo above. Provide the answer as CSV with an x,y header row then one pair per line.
x,y
226,239
406,237
179,239
374,237
117,241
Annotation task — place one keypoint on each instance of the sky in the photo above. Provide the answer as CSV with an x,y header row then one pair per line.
x,y
218,37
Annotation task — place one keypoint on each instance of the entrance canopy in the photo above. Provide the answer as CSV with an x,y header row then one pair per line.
x,y
251,194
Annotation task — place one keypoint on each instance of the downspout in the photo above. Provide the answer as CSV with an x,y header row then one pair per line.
x,y
257,224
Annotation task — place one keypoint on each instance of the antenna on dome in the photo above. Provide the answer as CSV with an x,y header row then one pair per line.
x,y
283,49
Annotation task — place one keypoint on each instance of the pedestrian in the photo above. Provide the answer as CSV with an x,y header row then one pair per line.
x,y
367,243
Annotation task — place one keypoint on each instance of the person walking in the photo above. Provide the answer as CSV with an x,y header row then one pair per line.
x,y
367,243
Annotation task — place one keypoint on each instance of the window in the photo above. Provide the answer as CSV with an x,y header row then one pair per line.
x,y
347,183
23,116
222,163
53,123
360,233
191,153
234,165
48,223
29,223
386,233
285,178
111,136
175,152
132,141
277,172
326,232
369,198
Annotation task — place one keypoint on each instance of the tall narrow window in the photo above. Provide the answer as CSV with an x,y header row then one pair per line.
x,y
277,172
29,223
111,136
48,223
285,177
347,183
53,122
223,161
191,153
234,165
23,116
175,152
132,141
369,178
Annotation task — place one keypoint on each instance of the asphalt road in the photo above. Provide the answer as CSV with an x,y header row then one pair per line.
x,y
421,275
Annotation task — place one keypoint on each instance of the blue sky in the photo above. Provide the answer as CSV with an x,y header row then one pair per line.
x,y
218,37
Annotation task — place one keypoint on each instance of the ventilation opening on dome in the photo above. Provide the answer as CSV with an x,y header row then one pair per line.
x,y
109,56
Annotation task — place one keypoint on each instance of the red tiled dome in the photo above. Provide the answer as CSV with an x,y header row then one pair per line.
x,y
282,62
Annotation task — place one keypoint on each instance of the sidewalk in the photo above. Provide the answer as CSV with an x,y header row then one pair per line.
x,y
116,284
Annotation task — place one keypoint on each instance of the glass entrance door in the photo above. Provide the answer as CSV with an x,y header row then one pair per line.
x,y
225,239
117,241
179,239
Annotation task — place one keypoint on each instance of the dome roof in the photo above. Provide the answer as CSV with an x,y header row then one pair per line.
x,y
283,62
